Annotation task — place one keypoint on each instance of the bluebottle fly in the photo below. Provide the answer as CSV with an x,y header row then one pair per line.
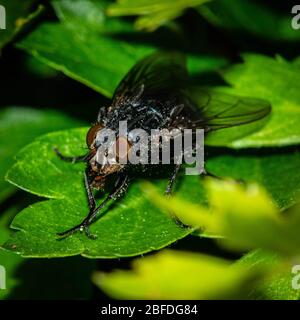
x,y
154,95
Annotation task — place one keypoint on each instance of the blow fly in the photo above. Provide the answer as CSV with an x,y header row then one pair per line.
x,y
154,95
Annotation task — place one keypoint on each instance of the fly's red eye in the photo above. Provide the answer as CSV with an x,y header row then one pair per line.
x,y
91,135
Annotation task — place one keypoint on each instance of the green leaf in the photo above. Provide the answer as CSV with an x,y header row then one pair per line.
x,y
200,63
154,13
59,276
94,53
18,16
18,127
91,15
39,69
84,58
177,275
80,14
61,176
237,15
91,55
296,62
278,286
275,81
8,260
131,226
275,169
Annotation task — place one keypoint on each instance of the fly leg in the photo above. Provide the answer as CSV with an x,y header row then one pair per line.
x,y
118,190
209,174
91,201
172,180
89,192
168,193
70,159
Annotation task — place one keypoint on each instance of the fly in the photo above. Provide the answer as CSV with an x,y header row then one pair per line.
x,y
154,95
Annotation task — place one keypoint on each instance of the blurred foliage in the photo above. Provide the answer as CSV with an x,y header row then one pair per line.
x,y
8,260
251,221
254,17
18,15
240,47
39,69
184,275
275,169
178,275
85,57
153,13
277,285
80,60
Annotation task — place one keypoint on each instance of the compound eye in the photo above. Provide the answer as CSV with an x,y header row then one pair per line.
x,y
91,135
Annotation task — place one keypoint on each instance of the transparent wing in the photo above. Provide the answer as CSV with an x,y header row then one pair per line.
x,y
163,77
220,110
158,75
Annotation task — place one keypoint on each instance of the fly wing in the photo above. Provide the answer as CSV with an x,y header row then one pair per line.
x,y
220,110
163,77
157,76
